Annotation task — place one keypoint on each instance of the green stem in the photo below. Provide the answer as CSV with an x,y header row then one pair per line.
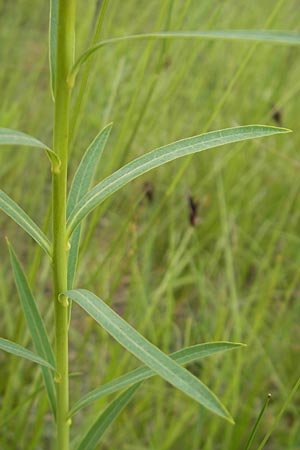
x,y
65,50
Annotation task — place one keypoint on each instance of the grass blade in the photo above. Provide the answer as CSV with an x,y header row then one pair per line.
x,y
35,324
267,36
184,356
15,212
14,137
257,422
18,350
80,185
21,406
52,42
146,352
280,414
160,156
106,418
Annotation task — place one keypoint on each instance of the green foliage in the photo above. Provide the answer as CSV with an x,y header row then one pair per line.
x,y
257,422
35,325
184,356
268,36
106,418
13,210
146,352
14,137
161,156
53,42
18,350
68,212
79,187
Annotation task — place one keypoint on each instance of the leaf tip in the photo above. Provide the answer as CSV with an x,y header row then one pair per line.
x,y
226,415
231,420
284,130
108,127
275,129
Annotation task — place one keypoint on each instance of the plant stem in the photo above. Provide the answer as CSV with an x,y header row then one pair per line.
x,y
64,60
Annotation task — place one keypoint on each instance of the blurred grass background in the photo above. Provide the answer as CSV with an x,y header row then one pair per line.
x,y
234,275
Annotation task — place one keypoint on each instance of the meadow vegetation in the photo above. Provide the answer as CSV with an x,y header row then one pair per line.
x,y
203,249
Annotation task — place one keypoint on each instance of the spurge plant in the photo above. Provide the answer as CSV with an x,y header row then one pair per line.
x,y
70,209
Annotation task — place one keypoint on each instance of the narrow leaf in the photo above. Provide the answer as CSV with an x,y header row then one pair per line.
x,y
184,356
14,137
86,169
160,156
35,324
257,422
267,36
53,42
106,418
80,185
146,352
278,417
73,256
18,350
15,212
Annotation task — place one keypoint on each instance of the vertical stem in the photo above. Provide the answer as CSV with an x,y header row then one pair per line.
x,y
65,50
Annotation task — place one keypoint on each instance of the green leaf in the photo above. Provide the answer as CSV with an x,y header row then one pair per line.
x,y
80,185
184,356
267,36
146,352
257,422
278,417
160,156
53,42
35,325
87,167
18,350
14,137
73,256
15,212
106,418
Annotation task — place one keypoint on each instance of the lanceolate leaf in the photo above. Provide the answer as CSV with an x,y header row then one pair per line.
x,y
146,352
73,256
80,185
159,157
184,356
87,167
267,36
13,210
52,42
35,324
106,418
18,350
13,137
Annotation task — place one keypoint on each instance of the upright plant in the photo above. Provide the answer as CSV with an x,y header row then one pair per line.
x,y
68,212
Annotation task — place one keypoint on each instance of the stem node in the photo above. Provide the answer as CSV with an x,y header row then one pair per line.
x,y
57,378
63,300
